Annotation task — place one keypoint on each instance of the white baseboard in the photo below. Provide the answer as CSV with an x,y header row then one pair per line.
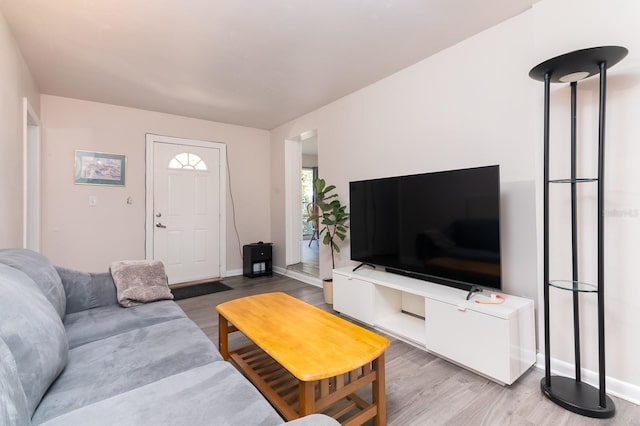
x,y
623,390
233,273
298,276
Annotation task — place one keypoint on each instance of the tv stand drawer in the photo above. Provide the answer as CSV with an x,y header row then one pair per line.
x,y
477,341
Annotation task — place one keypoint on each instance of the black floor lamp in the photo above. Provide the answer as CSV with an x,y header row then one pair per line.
x,y
572,393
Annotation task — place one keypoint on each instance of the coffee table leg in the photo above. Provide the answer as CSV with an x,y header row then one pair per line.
x,y
223,336
378,389
307,398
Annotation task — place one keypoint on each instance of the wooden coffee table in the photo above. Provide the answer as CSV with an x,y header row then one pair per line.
x,y
305,360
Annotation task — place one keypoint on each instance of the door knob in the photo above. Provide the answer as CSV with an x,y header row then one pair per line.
x,y
160,225
158,214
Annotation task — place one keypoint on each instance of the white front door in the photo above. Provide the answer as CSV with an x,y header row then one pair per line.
x,y
186,225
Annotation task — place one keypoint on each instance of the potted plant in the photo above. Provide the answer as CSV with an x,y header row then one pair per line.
x,y
332,217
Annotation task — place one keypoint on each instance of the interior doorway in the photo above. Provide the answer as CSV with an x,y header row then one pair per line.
x,y
31,178
306,243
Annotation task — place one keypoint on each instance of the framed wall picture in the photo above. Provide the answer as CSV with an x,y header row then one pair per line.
x,y
100,168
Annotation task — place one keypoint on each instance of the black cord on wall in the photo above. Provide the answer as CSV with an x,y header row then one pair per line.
x,y
233,205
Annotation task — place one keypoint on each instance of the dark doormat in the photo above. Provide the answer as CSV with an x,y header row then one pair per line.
x,y
198,290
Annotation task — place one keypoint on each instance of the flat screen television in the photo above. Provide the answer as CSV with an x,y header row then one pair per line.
x,y
442,227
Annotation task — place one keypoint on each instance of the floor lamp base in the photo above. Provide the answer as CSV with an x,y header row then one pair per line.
x,y
578,397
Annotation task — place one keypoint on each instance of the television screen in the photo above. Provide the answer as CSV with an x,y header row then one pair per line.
x,y
442,227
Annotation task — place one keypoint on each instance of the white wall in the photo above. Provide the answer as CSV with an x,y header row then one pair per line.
x,y
16,82
474,104
445,112
90,238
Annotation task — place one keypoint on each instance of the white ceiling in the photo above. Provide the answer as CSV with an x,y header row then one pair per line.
x,y
256,63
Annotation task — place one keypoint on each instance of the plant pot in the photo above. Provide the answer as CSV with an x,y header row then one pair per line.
x,y
327,289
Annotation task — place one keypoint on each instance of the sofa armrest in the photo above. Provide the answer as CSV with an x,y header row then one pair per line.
x,y
314,420
87,290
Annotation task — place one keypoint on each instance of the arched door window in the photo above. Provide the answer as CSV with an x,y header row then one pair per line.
x,y
187,160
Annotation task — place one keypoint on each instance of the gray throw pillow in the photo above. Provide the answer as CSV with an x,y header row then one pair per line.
x,y
140,281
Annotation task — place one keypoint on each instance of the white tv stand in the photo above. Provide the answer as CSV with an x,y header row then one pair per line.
x,y
494,340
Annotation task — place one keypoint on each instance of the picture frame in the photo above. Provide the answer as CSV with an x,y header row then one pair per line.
x,y
100,168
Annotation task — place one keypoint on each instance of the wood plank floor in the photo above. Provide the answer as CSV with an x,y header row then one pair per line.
x,y
423,389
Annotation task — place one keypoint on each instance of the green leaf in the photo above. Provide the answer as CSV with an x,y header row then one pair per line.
x,y
319,184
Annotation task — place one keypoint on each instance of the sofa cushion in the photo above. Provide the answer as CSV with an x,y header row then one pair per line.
x,y
87,290
213,394
99,323
13,402
117,364
41,271
33,332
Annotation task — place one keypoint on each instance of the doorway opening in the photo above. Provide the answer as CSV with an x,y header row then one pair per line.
x,y
305,245
310,262
31,178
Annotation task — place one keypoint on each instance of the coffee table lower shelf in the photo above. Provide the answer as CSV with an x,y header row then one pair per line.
x,y
334,396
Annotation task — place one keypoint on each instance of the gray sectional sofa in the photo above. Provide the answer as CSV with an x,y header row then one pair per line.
x,y
70,355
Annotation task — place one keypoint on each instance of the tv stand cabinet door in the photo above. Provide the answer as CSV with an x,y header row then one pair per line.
x,y
354,297
475,340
